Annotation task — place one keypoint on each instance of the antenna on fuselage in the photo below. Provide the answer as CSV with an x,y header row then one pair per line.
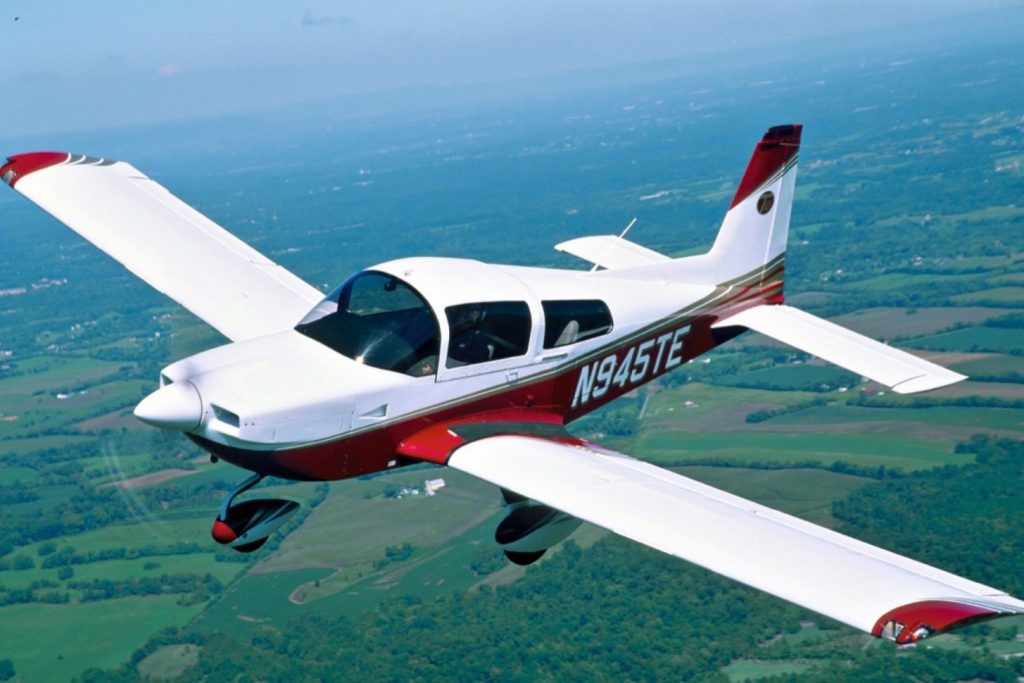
x,y
622,235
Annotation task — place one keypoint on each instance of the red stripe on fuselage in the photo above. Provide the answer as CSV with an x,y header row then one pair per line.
x,y
376,449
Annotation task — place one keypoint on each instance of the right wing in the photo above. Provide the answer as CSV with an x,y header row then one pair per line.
x,y
168,244
872,589
904,373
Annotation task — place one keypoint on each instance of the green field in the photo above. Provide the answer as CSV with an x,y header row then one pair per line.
x,y
703,407
12,476
356,521
169,661
752,670
997,295
865,450
806,493
973,339
43,375
978,419
57,642
995,364
888,323
802,377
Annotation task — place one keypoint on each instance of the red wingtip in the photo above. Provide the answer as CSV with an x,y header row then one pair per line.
x,y
20,165
773,152
910,623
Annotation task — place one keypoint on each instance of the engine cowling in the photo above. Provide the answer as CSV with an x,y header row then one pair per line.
x,y
530,529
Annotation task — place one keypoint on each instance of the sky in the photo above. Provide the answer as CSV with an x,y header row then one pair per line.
x,y
83,64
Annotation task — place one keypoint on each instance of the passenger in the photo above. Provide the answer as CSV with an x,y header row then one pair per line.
x,y
470,344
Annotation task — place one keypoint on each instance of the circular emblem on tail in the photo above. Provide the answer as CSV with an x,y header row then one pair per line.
x,y
765,203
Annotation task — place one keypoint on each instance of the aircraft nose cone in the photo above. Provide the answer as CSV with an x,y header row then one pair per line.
x,y
175,406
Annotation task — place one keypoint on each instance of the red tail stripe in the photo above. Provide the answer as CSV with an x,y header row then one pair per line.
x,y
776,148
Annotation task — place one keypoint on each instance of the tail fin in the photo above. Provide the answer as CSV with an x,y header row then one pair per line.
x,y
756,226
751,243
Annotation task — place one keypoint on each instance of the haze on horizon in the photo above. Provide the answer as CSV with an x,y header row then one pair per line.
x,y
81,65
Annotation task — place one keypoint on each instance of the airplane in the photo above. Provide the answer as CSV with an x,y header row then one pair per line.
x,y
480,367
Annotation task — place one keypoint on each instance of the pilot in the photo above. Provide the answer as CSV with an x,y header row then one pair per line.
x,y
424,367
470,344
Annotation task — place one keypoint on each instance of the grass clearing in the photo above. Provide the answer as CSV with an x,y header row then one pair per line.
x,y
896,281
998,295
806,493
796,377
53,374
752,670
356,522
13,475
994,339
269,598
706,407
21,446
888,323
979,419
993,364
59,642
147,530
193,563
48,497
866,450
169,661
1007,390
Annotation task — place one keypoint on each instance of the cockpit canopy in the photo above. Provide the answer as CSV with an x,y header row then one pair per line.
x,y
377,319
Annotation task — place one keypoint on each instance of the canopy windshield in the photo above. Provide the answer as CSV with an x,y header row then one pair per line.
x,y
377,319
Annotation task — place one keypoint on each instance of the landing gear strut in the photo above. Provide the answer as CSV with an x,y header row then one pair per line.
x,y
245,527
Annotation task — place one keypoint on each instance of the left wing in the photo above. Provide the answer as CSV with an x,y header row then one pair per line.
x,y
872,589
165,242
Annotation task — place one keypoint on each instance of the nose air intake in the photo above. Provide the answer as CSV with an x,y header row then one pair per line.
x,y
176,406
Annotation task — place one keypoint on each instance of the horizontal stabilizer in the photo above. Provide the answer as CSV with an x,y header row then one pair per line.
x,y
611,251
904,373
867,587
165,242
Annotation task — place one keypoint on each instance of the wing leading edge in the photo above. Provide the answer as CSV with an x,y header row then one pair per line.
x,y
165,242
869,588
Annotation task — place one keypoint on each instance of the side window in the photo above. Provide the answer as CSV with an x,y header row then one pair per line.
x,y
487,331
568,322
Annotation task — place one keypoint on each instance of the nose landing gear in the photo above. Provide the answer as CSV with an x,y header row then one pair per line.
x,y
245,527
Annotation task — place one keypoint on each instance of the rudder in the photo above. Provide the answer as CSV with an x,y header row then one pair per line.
x,y
756,227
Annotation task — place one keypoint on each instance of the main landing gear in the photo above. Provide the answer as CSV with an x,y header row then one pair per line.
x,y
530,528
246,526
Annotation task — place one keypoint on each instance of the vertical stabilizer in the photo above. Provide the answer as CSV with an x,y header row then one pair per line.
x,y
751,243
756,226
